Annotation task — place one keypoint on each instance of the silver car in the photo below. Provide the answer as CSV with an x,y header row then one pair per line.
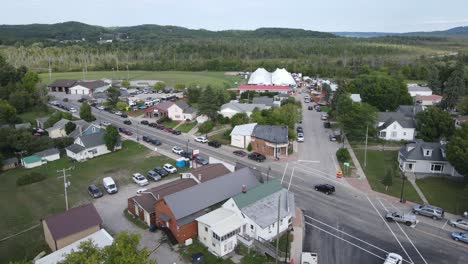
x,y
460,223
407,219
429,210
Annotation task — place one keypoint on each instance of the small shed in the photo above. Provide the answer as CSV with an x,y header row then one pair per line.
x,y
32,161
10,163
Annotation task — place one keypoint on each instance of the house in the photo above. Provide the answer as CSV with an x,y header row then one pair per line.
x,y
279,99
40,158
270,140
41,121
143,205
62,86
282,89
415,89
178,211
264,100
410,110
99,238
88,146
241,135
258,207
395,126
83,128
10,163
218,230
425,159
460,119
428,100
58,129
62,229
178,111
89,87
356,98
232,108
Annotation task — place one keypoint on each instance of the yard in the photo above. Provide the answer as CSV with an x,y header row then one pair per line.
x,y
22,207
446,193
169,123
30,117
186,127
222,137
378,163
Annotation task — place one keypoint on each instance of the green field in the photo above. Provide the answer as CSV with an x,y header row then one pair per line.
x,y
186,127
446,193
22,207
169,77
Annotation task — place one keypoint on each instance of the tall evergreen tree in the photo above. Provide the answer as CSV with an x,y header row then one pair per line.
x,y
455,87
433,79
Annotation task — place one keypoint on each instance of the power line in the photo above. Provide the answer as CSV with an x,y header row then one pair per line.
x,y
66,183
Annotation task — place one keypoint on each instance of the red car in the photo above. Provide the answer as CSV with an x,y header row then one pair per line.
x,y
240,153
168,129
128,133
161,127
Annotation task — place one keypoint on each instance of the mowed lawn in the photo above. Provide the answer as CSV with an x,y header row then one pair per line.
x,y
446,193
171,78
186,127
378,162
24,206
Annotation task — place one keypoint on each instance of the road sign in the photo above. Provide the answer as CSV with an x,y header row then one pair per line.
x,y
195,152
346,164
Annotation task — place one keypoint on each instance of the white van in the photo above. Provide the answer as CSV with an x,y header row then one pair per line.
x,y
393,258
109,185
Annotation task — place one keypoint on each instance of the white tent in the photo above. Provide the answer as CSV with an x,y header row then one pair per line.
x,y
260,76
282,77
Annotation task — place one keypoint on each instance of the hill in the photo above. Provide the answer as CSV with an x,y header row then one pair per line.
x,y
453,32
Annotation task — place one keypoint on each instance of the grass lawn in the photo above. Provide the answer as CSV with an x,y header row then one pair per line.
x,y
284,242
185,128
198,247
378,162
169,77
222,137
31,116
445,193
170,124
22,207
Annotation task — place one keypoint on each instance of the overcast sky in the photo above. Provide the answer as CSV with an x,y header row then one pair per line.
x,y
321,15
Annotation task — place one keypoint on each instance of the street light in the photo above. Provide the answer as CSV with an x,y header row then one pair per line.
x,y
402,188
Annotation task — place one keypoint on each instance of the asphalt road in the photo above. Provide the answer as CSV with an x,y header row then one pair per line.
x,y
346,227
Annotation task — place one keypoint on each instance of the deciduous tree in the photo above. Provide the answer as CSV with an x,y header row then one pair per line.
x,y
434,123
455,87
111,137
239,119
457,149
85,112
7,112
70,127
159,86
121,106
113,96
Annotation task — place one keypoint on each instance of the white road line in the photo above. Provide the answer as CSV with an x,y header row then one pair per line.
x,y
324,177
385,222
290,180
349,242
284,173
312,161
333,161
419,253
346,233
445,224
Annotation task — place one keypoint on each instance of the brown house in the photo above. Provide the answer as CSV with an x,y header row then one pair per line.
x,y
270,140
61,86
143,205
177,212
62,229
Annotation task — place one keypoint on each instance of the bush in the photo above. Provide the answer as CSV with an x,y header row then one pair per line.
x,y
342,155
249,147
206,127
30,178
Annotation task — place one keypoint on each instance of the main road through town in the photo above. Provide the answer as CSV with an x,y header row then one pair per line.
x,y
346,227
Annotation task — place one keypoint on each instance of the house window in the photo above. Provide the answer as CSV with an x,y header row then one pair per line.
x,y
394,126
92,151
383,134
394,134
251,227
206,229
404,133
437,167
204,238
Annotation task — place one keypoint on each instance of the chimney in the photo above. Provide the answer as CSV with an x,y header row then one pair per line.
x,y
244,188
199,177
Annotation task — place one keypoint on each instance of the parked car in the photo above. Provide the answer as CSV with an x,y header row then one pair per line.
x,y
332,137
299,129
177,150
153,175
300,137
176,132
127,122
94,191
187,155
124,115
257,157
100,107
407,219
156,142
152,124
429,210
460,236
326,124
200,160
318,109
109,185
118,113
169,168
393,258
147,139
310,107
214,144
460,223
325,188
324,116
72,110
160,127
240,153
161,171
81,100
201,139
144,122
139,179
168,129
105,123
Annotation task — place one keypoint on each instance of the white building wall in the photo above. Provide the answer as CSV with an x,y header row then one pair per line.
x,y
52,157
228,112
414,93
78,89
240,141
88,153
175,113
32,165
397,132
57,133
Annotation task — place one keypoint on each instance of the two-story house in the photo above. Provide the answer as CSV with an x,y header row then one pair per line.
x,y
395,126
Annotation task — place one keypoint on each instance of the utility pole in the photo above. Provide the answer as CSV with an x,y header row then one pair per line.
x,y
50,72
268,174
365,151
402,187
66,183
277,229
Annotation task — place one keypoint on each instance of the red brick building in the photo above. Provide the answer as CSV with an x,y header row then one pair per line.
x,y
270,141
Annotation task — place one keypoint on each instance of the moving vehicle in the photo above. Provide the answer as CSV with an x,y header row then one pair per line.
x,y
109,185
200,160
240,153
94,191
429,210
177,150
144,122
460,223
153,175
393,258
169,168
139,179
127,122
105,123
161,171
325,188
257,157
201,139
214,144
309,258
300,137
460,236
407,219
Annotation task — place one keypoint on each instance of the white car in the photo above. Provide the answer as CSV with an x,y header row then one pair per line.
x,y
460,223
105,123
177,150
169,168
72,110
139,179
118,113
393,258
300,137
201,139
100,107
140,191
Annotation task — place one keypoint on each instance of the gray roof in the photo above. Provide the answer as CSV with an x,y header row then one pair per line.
x,y
265,211
92,85
81,126
10,161
75,148
199,197
263,100
42,120
93,140
62,83
47,152
389,117
243,107
164,105
410,110
418,88
190,110
182,104
59,124
415,151
273,134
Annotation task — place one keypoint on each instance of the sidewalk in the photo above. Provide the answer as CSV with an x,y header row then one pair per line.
x,y
298,233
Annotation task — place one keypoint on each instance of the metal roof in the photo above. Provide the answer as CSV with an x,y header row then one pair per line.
x,y
273,134
221,221
257,193
47,152
243,130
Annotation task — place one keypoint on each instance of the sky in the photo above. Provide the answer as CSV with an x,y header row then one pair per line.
x,y
323,15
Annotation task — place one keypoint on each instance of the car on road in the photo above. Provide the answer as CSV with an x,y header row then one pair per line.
x,y
144,122
187,155
169,129
176,132
429,210
54,103
153,175
177,150
139,179
81,100
240,153
201,139
214,144
300,137
118,113
169,168
125,131
105,123
332,137
310,107
161,171
127,122
257,157
460,223
147,139
407,219
460,236
318,109
160,127
153,124
324,116
72,110
325,188
393,258
156,142
124,115
100,107
299,129
94,191
326,124
200,160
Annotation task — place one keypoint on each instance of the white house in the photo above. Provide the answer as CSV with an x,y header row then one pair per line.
x,y
178,111
241,135
40,158
218,230
395,126
89,87
425,159
58,129
415,89
232,108
88,146
428,100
